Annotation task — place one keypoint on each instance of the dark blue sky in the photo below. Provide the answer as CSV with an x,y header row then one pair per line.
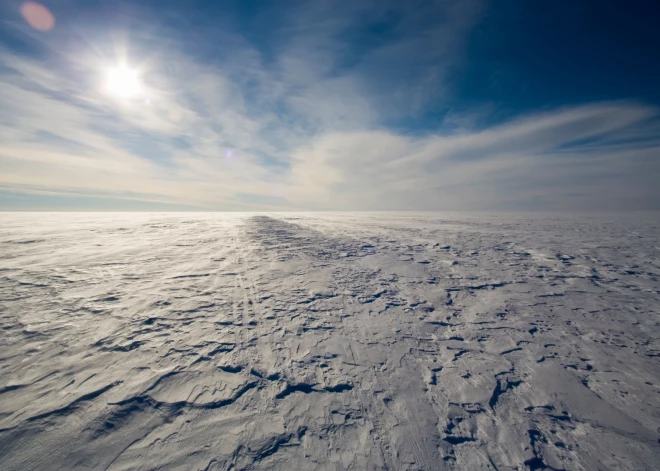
x,y
324,104
525,55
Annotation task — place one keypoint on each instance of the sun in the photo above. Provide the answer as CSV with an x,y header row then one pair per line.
x,y
123,82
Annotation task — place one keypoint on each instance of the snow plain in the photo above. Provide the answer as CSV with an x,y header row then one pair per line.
x,y
402,341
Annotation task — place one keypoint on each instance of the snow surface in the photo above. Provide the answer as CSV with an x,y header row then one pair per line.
x,y
329,341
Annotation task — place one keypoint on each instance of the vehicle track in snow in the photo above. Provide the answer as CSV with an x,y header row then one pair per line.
x,y
329,341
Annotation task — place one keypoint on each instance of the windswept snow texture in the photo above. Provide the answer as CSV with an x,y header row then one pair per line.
x,y
329,341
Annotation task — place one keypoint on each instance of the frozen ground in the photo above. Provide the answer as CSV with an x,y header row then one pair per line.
x,y
329,341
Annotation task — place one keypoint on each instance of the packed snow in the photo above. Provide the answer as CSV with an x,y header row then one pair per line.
x,y
329,341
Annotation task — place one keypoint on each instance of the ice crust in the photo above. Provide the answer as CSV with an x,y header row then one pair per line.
x,y
329,341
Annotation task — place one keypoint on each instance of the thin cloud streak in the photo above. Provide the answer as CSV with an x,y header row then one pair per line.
x,y
306,130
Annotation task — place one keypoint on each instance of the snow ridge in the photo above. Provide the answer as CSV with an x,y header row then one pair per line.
x,y
407,341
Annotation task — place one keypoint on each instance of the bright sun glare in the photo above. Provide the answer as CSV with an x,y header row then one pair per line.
x,y
123,82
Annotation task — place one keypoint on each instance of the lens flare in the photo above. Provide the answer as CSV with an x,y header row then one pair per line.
x,y
38,16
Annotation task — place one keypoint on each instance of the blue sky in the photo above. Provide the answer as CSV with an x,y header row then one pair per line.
x,y
332,105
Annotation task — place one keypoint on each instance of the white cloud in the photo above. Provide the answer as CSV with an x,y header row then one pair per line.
x,y
541,157
307,131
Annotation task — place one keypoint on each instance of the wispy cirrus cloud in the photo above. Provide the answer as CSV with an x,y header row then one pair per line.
x,y
301,119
